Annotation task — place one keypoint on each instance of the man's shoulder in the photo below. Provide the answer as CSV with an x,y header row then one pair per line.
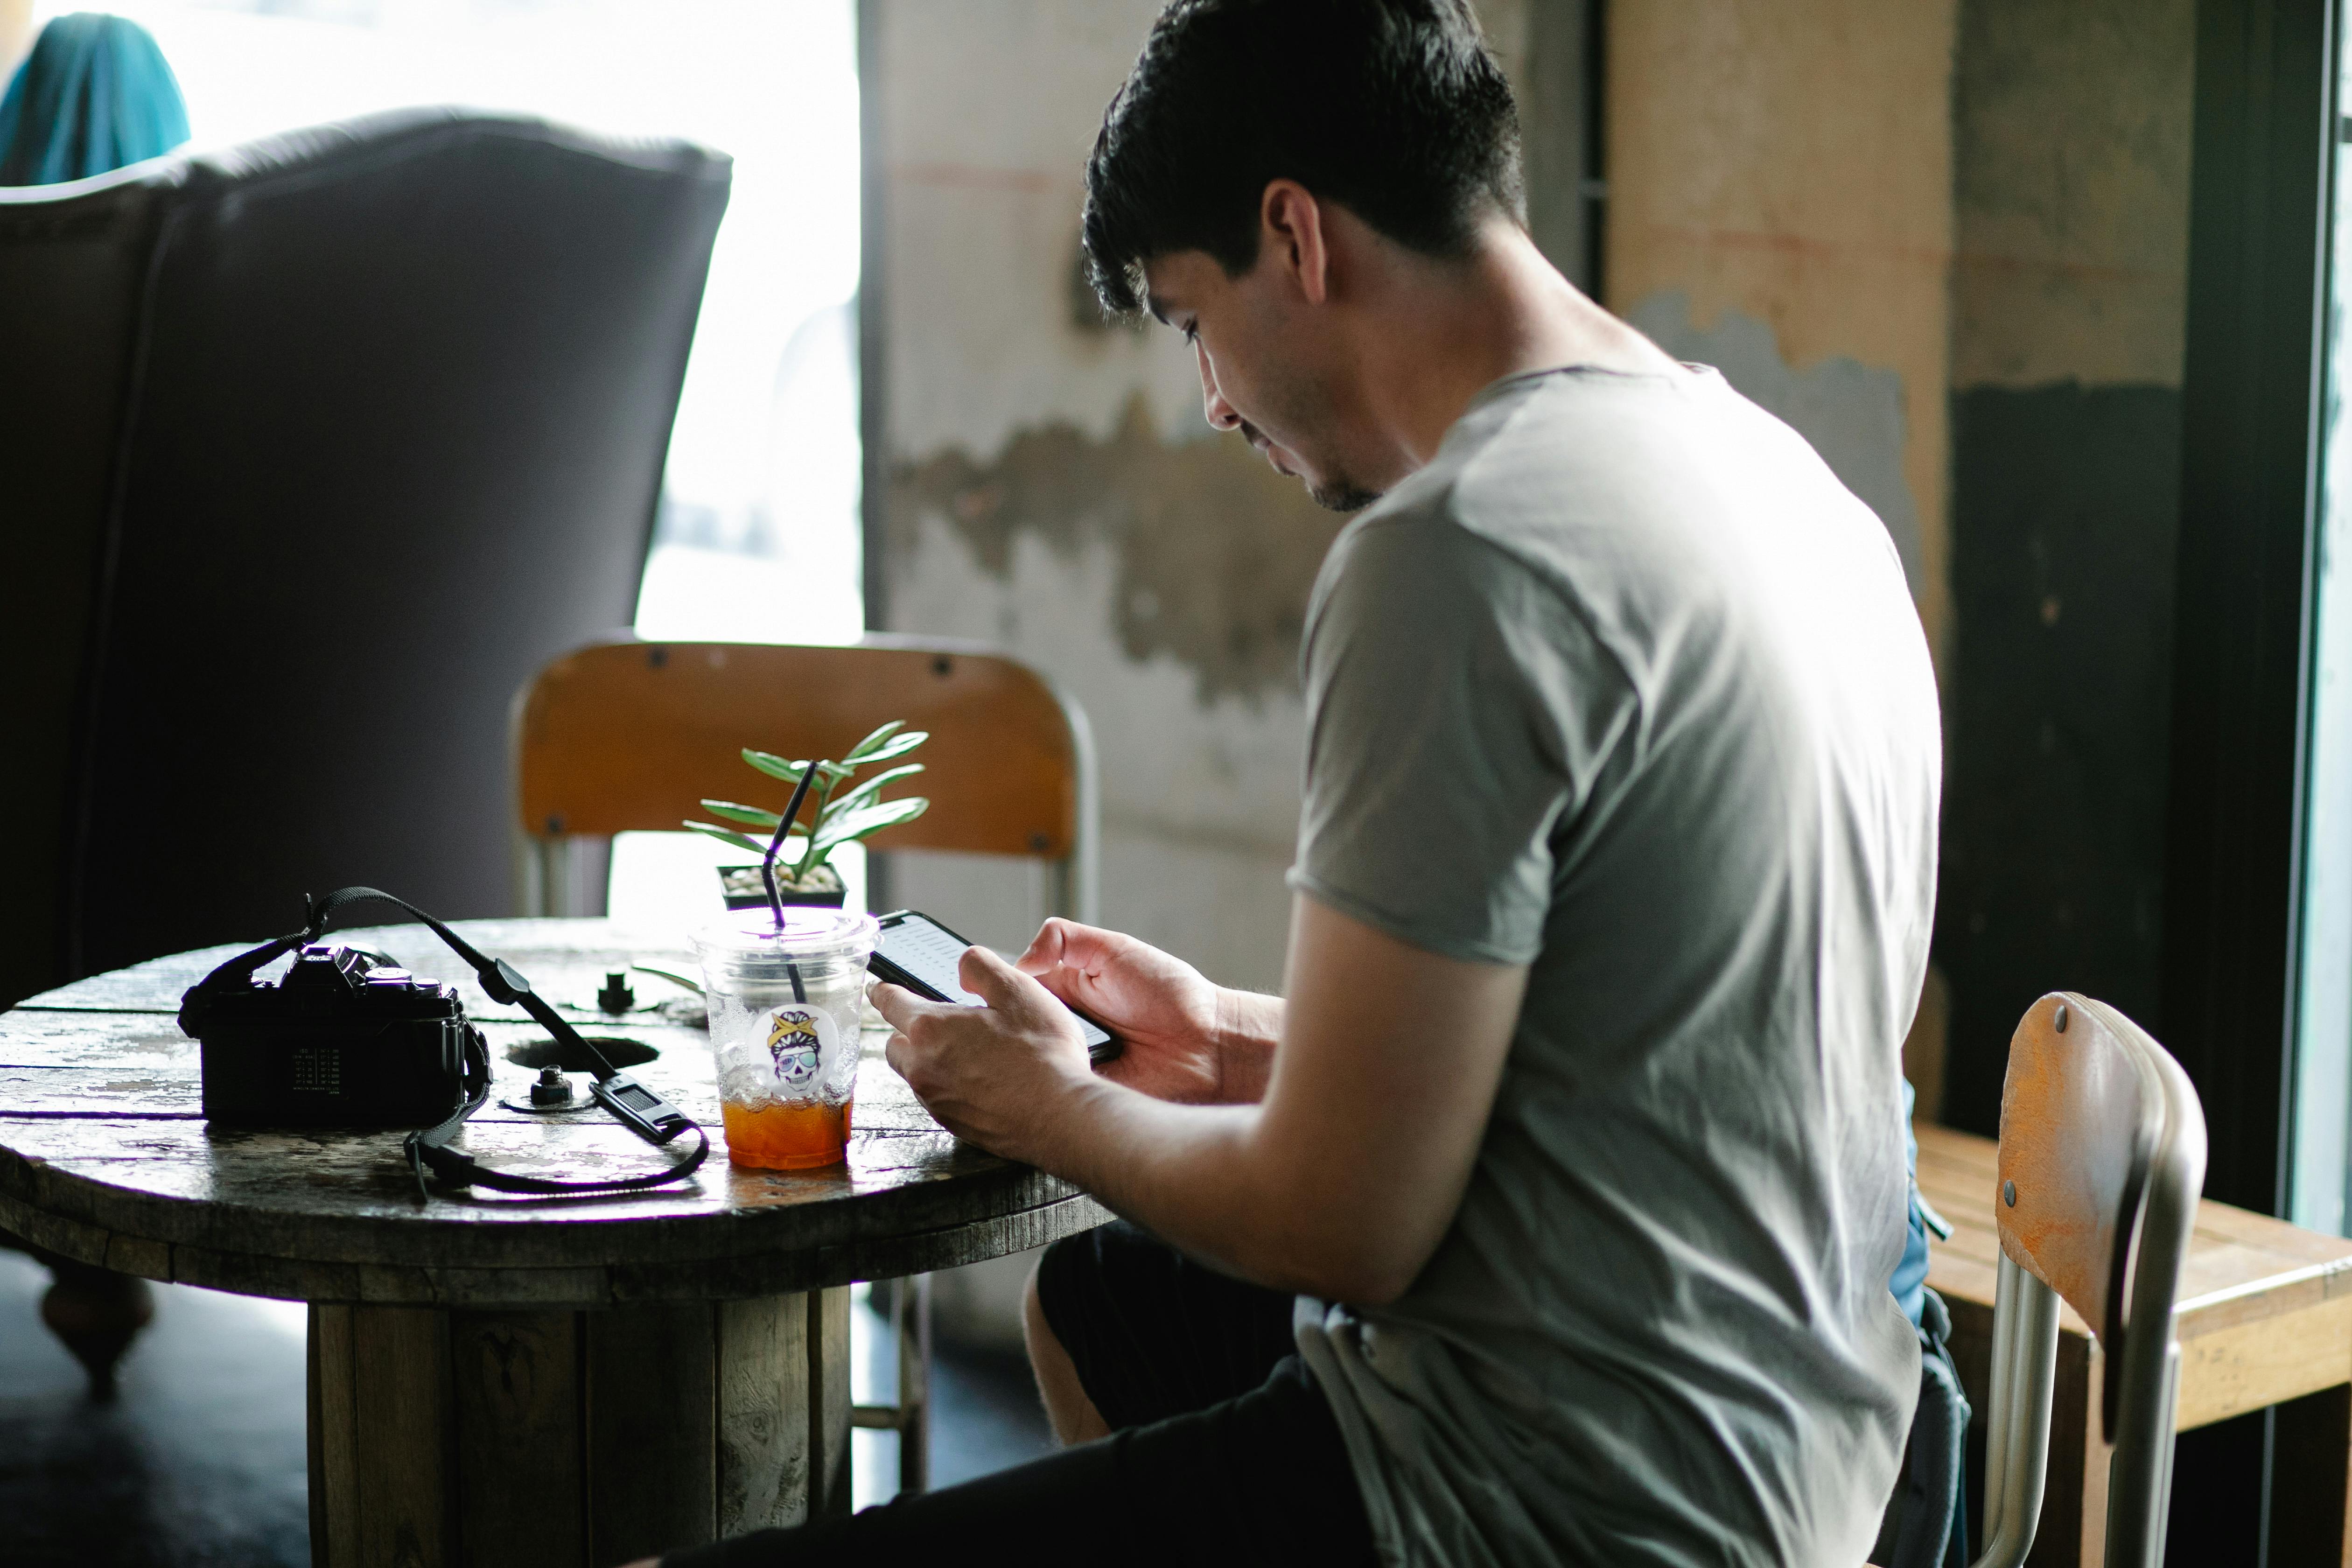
x,y
1509,460
1536,484
1417,545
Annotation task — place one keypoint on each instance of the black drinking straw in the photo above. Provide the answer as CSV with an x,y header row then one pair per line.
x,y
768,869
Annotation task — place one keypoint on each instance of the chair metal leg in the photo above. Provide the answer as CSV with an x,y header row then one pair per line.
x,y
911,1309
2016,1456
910,1417
531,875
2003,1374
1077,881
561,874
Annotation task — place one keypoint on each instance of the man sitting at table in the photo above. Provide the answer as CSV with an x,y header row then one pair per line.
x,y
1549,1217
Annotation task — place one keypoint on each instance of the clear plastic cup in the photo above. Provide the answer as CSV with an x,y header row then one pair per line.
x,y
787,1053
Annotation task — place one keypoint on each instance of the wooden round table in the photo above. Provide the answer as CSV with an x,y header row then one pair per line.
x,y
501,1379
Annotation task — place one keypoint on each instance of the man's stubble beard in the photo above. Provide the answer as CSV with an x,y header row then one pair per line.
x,y
1302,405
1342,495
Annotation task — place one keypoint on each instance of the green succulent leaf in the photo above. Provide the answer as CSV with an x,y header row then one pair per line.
x,y
748,816
864,791
775,766
857,753
854,826
895,746
729,836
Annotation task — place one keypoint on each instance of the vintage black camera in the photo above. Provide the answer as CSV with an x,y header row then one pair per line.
x,y
347,1039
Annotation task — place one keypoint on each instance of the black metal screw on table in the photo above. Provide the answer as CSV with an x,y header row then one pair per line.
x,y
617,996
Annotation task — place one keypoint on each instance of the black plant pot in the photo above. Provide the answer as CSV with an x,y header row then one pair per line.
x,y
742,888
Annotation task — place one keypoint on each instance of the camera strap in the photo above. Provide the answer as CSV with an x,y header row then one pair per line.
x,y
629,1101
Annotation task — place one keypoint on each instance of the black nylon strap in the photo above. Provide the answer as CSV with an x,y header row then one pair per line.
x,y
503,982
428,1150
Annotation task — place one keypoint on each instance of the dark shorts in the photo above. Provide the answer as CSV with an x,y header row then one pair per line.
x,y
1223,1450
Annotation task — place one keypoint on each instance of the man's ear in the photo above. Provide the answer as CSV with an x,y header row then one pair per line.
x,y
1291,230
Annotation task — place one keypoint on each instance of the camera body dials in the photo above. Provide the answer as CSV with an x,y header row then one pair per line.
x,y
346,1040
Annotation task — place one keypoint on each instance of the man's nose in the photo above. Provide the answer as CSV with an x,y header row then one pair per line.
x,y
1220,413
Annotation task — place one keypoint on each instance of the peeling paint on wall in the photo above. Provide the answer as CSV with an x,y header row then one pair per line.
x,y
1793,163
1215,552
1851,413
1200,798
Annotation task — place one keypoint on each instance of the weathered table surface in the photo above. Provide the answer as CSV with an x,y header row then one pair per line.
x,y
105,1157
2264,1320
495,1378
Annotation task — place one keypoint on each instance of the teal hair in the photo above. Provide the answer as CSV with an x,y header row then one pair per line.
x,y
95,93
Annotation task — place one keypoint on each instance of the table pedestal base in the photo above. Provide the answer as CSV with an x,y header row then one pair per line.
x,y
578,1438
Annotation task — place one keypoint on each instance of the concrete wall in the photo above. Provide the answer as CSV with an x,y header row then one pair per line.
x,y
1779,206
2070,132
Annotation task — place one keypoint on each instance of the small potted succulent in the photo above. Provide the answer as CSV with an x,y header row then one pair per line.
x,y
841,816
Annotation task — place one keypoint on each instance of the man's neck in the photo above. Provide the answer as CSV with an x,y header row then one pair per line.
x,y
1466,325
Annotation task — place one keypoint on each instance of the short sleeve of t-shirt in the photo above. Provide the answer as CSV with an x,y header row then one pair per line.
x,y
1459,711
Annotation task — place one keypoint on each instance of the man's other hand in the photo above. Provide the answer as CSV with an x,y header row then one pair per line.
x,y
1171,1022
993,1076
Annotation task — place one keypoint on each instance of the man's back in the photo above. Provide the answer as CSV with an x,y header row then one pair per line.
x,y
1624,687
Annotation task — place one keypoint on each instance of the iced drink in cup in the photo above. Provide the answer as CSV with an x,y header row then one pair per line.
x,y
783,1009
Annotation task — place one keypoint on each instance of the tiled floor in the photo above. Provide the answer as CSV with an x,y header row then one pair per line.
x,y
200,1459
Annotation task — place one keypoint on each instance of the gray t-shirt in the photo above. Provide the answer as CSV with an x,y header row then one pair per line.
x,y
1626,687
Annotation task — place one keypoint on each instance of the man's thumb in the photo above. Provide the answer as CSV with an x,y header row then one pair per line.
x,y
990,978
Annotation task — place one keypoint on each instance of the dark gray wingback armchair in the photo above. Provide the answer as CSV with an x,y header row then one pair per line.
x,y
311,453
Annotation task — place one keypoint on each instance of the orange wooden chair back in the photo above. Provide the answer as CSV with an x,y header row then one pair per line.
x,y
2102,1157
627,736
2076,1133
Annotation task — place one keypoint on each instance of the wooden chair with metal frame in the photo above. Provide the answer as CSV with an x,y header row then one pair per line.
x,y
626,736
2102,1157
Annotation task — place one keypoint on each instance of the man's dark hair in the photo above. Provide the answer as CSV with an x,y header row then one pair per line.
x,y
1393,109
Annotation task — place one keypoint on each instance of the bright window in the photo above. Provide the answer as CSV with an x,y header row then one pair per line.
x,y
758,539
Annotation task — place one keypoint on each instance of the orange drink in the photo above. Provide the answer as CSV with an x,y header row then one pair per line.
x,y
786,1137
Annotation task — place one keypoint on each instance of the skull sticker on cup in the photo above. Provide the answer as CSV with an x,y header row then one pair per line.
x,y
799,1039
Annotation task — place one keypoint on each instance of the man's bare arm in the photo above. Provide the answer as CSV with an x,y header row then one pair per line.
x,y
1339,1182
1184,1038
1251,1027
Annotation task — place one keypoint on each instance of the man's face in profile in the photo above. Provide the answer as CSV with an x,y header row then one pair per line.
x,y
1262,371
